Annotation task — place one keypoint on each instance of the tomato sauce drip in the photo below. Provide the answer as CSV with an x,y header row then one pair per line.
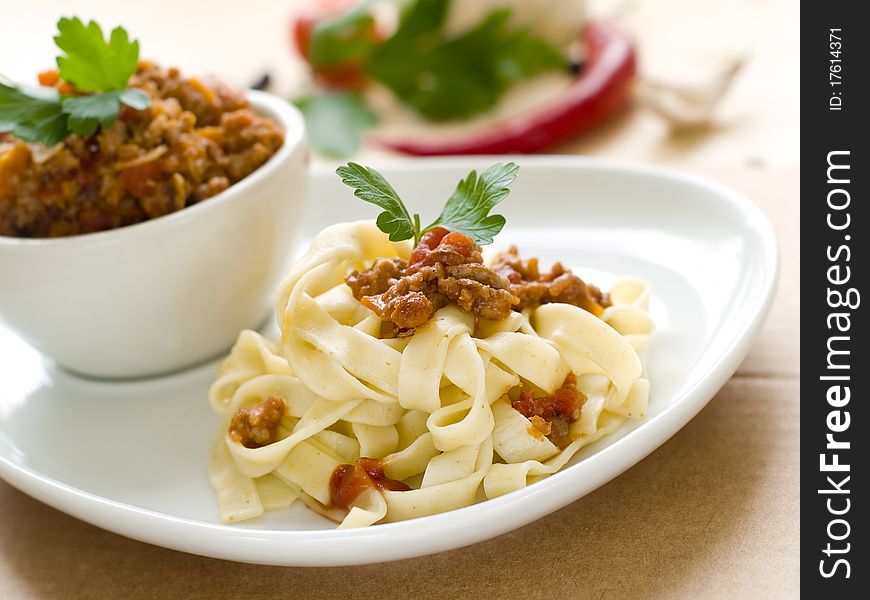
x,y
565,402
348,482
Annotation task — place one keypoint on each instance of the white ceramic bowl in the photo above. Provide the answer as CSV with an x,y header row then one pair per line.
x,y
166,293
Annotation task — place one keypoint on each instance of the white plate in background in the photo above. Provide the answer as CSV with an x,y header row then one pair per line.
x,y
131,456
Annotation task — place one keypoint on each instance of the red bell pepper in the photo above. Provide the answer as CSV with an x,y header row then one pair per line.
x,y
601,88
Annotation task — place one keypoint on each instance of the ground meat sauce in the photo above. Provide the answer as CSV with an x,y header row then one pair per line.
x,y
195,139
444,268
448,267
349,481
552,416
257,426
534,288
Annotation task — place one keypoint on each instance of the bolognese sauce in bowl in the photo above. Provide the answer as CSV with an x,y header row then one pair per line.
x,y
196,138
145,247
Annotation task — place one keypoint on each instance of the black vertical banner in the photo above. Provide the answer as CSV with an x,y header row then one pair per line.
x,y
835,193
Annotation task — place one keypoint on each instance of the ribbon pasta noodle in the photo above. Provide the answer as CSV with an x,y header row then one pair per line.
x,y
433,410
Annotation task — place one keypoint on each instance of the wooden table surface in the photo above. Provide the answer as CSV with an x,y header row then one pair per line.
x,y
713,513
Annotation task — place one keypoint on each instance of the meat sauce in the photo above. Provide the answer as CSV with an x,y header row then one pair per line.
x,y
447,267
348,482
441,246
257,426
551,416
533,288
197,138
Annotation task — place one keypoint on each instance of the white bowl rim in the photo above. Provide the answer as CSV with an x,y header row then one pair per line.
x,y
282,111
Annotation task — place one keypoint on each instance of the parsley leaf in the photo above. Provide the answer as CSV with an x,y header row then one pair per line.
x,y
370,186
32,114
40,114
455,78
86,113
467,210
523,56
335,122
345,38
134,98
91,63
421,18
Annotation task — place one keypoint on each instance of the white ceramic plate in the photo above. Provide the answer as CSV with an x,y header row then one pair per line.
x,y
130,456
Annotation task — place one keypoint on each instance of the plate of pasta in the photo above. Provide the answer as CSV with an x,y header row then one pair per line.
x,y
422,387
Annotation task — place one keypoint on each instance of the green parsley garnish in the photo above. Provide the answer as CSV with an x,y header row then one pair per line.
x,y
90,63
335,122
346,37
445,78
440,77
32,114
467,209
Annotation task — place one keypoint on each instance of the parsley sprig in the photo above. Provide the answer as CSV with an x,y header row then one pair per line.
x,y
467,210
439,76
90,63
444,78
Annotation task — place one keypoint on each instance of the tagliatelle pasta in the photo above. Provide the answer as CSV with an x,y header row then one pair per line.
x,y
435,411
